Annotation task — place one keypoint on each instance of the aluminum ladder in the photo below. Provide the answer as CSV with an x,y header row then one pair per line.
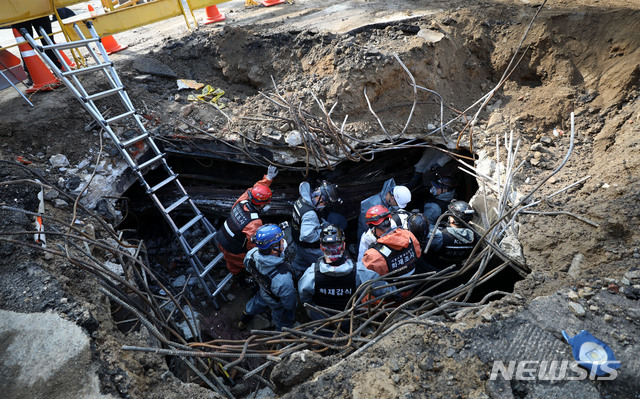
x,y
197,235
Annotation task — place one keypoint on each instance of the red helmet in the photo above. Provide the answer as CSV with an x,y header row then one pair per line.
x,y
376,215
260,194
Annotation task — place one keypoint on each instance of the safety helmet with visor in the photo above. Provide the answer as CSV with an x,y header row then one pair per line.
x,y
268,236
376,215
325,193
259,194
332,242
461,210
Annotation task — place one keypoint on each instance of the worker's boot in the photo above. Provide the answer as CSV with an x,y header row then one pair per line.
x,y
244,320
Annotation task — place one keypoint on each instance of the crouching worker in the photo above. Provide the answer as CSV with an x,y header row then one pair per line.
x,y
267,266
333,279
234,238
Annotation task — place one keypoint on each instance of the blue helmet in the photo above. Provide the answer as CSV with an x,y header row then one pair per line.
x,y
267,236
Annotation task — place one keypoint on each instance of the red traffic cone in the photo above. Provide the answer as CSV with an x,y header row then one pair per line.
x,y
67,60
212,15
41,76
109,42
269,3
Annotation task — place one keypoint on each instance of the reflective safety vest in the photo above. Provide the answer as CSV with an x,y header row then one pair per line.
x,y
333,292
232,238
453,250
265,280
301,207
399,259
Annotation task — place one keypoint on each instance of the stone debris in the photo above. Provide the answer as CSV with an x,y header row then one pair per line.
x,y
59,161
573,296
577,309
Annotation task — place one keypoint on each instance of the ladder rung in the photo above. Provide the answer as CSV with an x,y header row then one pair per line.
x,y
211,265
177,204
221,284
87,69
134,140
118,117
189,224
202,243
70,45
103,94
151,161
162,184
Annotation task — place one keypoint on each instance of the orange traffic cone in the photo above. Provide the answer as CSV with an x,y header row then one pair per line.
x,y
11,66
269,3
41,76
8,60
109,42
67,60
212,15
92,11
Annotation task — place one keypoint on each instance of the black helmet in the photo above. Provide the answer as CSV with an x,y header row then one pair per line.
x,y
418,225
332,242
447,182
327,191
461,210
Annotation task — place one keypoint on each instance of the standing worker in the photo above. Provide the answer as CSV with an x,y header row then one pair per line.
x,y
396,249
267,266
390,197
234,238
307,221
453,244
333,279
399,218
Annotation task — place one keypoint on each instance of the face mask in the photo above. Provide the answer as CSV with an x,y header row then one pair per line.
x,y
437,190
283,247
332,252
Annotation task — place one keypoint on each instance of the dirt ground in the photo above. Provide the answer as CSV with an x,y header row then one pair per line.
x,y
581,57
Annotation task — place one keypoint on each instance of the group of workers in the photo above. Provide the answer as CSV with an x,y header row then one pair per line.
x,y
392,240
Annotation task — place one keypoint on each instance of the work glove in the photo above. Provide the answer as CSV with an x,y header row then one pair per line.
x,y
272,171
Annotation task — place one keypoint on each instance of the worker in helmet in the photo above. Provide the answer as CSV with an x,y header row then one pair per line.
x,y
438,172
309,215
441,192
399,218
391,197
453,243
333,279
418,224
396,249
234,237
268,268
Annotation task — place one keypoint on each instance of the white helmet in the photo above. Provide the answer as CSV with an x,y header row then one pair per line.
x,y
402,195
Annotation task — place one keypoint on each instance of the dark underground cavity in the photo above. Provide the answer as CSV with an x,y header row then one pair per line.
x,y
215,182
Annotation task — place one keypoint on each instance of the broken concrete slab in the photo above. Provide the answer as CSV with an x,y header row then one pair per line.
x,y
31,340
152,66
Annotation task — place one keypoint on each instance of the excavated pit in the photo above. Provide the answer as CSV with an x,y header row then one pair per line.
x,y
214,185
